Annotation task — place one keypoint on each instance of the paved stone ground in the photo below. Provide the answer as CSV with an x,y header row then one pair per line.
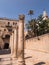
x,y
32,57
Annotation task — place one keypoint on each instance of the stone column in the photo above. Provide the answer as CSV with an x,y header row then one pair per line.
x,y
15,41
12,44
21,41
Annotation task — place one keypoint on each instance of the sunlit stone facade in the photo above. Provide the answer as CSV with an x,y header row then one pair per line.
x,y
6,29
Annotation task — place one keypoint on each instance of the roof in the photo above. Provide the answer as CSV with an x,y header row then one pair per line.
x,y
8,19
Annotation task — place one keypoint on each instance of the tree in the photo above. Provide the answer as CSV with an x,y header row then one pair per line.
x,y
37,27
43,27
40,17
30,13
31,27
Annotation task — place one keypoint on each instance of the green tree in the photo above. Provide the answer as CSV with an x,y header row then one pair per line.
x,y
43,27
30,13
40,17
31,27
37,27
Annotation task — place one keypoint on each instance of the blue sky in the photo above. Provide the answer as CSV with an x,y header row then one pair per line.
x,y
12,8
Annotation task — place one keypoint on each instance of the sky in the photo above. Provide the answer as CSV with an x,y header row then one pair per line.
x,y
13,8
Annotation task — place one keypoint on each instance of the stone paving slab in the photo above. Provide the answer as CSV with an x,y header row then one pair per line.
x,y
36,58
31,58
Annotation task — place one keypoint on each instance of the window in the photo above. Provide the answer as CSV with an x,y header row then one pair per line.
x,y
8,23
4,29
13,23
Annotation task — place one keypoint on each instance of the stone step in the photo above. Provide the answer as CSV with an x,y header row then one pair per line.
x,y
5,59
5,56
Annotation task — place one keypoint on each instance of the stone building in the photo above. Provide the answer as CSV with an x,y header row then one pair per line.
x,y
12,38
36,50
6,28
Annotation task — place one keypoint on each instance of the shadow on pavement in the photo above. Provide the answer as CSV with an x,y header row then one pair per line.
x,y
40,63
28,57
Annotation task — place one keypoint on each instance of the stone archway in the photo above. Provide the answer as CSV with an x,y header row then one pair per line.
x,y
7,36
6,41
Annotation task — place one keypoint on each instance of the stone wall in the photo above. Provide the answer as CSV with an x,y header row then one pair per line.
x,y
40,43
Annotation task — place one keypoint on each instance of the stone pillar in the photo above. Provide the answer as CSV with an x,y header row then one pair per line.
x,y
12,44
21,40
15,41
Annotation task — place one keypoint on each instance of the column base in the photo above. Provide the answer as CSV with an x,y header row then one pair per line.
x,y
13,57
21,62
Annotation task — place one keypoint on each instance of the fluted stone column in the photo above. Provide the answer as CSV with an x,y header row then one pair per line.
x,y
15,42
12,44
21,40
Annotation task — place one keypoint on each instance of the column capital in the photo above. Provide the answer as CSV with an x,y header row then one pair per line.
x,y
21,17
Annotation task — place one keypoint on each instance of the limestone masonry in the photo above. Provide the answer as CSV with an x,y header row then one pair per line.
x,y
16,50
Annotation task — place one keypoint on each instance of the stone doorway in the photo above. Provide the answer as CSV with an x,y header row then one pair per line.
x,y
6,46
6,41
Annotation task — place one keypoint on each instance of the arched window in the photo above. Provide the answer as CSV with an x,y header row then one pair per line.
x,y
7,36
8,23
4,29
